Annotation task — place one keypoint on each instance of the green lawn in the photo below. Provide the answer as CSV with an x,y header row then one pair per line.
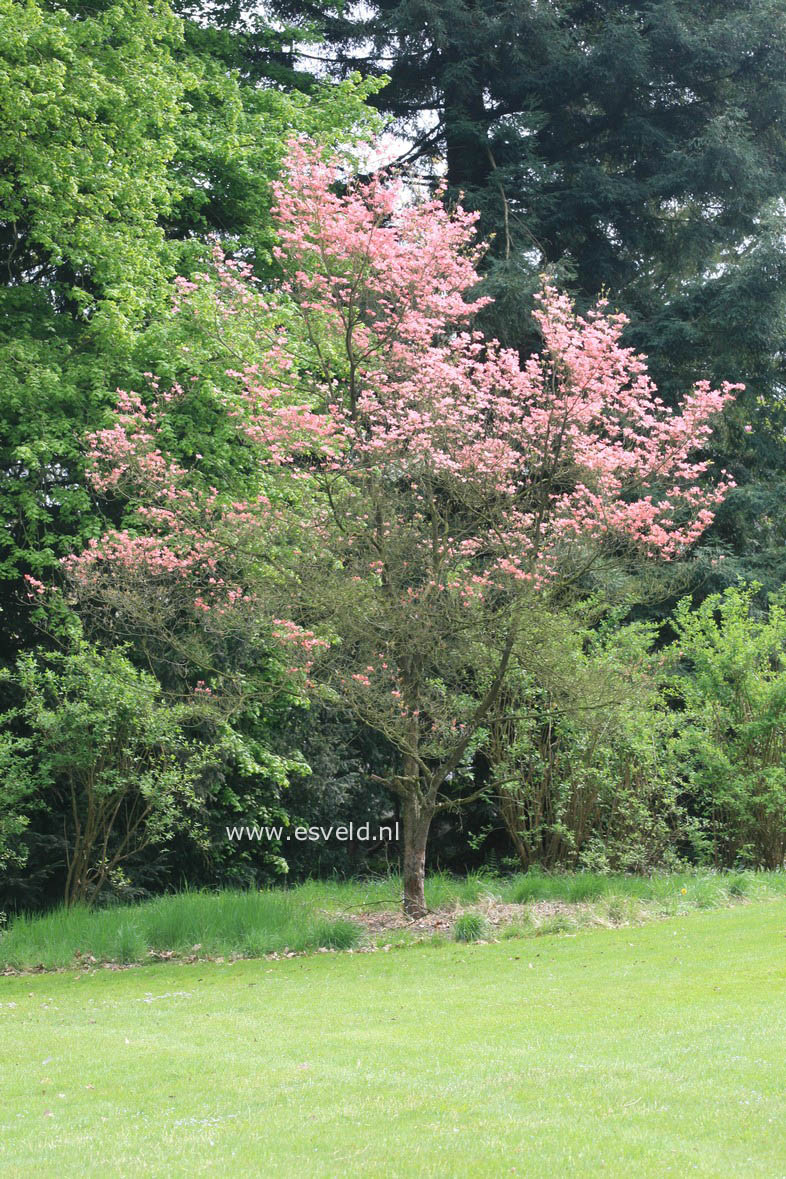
x,y
648,1051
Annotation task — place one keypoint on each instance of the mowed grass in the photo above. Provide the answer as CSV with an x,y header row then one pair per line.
x,y
323,914
649,1051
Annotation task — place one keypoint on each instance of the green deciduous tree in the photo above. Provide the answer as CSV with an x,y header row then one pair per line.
x,y
130,134
88,114
127,138
730,683
578,751
97,744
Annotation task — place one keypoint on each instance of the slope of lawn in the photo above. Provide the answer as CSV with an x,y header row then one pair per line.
x,y
646,1051
330,914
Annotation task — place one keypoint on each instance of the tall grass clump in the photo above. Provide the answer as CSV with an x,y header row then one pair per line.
x,y
571,888
470,927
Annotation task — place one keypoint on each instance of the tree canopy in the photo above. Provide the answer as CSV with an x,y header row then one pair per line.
x,y
636,150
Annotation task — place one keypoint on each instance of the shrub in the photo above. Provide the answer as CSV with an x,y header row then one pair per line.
x,y
730,683
582,773
92,738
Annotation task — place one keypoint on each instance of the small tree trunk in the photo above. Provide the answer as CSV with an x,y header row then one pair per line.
x,y
415,822
512,817
76,879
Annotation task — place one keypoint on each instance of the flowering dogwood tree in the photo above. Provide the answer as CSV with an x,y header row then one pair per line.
x,y
419,487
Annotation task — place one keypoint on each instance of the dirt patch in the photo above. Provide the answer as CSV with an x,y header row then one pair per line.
x,y
497,913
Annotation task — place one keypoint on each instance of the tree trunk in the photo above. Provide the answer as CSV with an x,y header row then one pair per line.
x,y
513,820
415,822
466,139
